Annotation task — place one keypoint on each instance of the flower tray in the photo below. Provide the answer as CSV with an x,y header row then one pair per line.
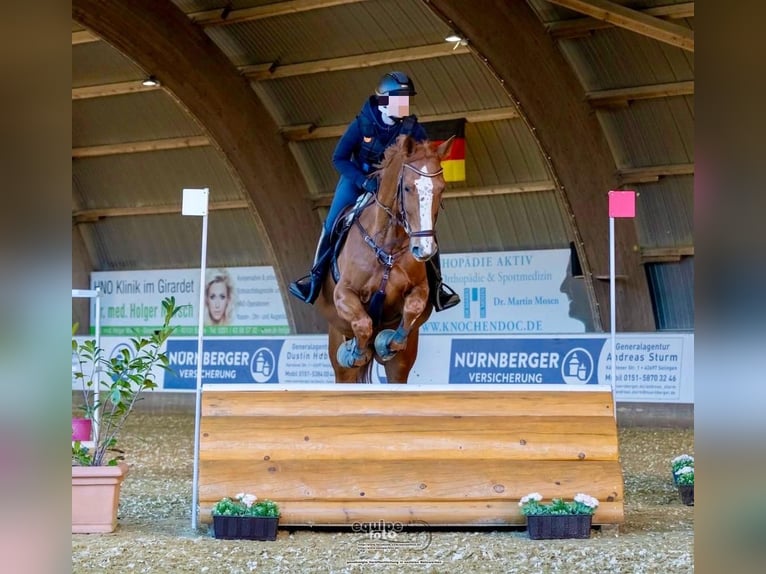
x,y
560,526
687,494
245,527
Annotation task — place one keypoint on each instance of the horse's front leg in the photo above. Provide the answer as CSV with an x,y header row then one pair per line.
x,y
389,342
355,352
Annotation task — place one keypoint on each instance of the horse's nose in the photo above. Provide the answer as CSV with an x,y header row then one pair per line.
x,y
420,252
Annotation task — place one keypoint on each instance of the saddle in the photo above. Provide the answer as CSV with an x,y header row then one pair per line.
x,y
340,229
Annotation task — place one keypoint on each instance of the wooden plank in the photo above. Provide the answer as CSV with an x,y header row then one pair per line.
x,y
621,96
418,403
579,27
140,146
468,513
225,16
425,480
633,20
653,173
408,437
113,89
355,62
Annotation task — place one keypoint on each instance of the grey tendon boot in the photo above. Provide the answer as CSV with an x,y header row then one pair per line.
x,y
442,296
307,287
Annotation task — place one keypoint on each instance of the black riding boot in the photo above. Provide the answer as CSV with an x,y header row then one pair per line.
x,y
307,288
442,296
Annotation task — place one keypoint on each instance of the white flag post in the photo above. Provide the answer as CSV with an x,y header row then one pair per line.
x,y
621,204
195,202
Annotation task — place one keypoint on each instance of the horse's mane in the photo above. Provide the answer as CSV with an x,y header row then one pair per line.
x,y
396,154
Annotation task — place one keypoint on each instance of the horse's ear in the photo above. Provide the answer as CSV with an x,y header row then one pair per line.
x,y
445,148
408,145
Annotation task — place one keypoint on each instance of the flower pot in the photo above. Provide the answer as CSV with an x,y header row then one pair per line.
x,y
95,497
560,526
81,429
687,494
245,527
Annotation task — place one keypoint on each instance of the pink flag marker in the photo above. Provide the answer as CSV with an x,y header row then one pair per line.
x,y
622,204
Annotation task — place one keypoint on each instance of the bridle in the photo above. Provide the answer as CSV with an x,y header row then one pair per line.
x,y
401,216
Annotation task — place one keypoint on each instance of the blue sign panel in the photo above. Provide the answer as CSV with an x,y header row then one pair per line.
x,y
525,361
223,361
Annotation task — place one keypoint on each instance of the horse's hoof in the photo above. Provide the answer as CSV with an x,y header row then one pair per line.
x,y
383,345
349,355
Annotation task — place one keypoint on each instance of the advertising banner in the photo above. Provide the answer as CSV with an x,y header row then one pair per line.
x,y
238,301
650,367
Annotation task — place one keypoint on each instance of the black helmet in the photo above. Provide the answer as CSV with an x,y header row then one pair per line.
x,y
395,84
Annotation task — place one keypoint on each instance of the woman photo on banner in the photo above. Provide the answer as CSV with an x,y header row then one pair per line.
x,y
219,297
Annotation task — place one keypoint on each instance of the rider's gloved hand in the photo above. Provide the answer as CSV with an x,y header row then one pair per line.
x,y
370,185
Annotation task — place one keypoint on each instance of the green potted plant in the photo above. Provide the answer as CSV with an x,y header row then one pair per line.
x,y
558,518
679,462
685,481
245,517
97,468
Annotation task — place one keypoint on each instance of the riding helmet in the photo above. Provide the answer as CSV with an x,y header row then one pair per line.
x,y
395,84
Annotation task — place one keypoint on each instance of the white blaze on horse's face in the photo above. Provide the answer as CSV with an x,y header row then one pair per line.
x,y
425,187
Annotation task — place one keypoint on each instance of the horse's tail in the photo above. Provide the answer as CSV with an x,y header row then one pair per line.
x,y
366,372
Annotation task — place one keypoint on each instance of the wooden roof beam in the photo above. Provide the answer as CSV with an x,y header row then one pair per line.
x,y
666,254
633,20
652,174
495,190
113,89
140,146
579,27
274,71
83,37
93,215
225,16
620,97
305,132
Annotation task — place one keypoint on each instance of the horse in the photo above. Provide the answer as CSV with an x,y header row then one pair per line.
x,y
381,297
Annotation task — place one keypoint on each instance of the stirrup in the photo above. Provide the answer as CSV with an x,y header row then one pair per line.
x,y
445,298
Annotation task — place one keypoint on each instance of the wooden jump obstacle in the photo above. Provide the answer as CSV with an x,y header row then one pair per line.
x,y
447,455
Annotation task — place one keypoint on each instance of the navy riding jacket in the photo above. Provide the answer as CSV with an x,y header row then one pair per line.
x,y
362,145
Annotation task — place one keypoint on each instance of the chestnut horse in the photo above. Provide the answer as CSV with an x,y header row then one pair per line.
x,y
381,297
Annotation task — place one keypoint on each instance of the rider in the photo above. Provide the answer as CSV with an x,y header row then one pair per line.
x,y
383,118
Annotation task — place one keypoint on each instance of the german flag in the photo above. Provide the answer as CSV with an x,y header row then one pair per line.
x,y
454,163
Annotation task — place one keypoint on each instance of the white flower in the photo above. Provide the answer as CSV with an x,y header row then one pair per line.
x,y
685,470
247,499
682,458
532,496
586,500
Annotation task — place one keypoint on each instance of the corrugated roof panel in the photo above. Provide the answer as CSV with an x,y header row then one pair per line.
x,y
173,241
672,289
155,178
502,152
497,153
651,132
665,212
95,63
129,117
619,58
505,222
330,32
444,85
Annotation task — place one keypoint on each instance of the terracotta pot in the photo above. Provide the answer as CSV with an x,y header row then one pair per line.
x,y
81,429
95,497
